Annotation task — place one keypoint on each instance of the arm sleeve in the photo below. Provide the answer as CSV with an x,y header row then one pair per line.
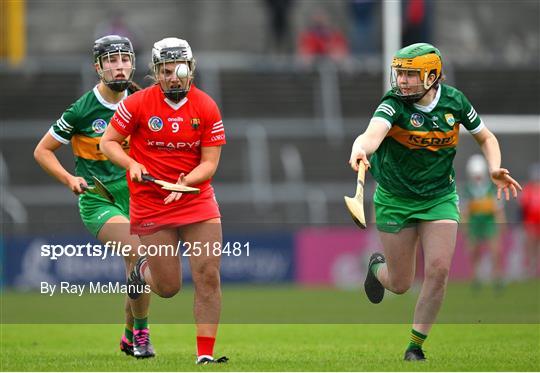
x,y
212,126
387,111
470,119
124,119
66,126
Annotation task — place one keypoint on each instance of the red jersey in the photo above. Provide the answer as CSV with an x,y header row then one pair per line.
x,y
167,137
530,203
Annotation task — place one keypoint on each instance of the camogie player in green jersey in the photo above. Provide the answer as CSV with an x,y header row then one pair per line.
x,y
83,124
412,138
484,217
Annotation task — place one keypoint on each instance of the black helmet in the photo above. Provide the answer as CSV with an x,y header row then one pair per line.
x,y
110,44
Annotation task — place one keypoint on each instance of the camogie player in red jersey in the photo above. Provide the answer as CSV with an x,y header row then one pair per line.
x,y
530,213
176,135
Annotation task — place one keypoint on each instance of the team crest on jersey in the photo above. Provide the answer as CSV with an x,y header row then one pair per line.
x,y
450,119
155,123
195,123
99,125
417,120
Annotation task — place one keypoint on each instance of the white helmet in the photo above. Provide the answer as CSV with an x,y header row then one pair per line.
x,y
477,167
174,50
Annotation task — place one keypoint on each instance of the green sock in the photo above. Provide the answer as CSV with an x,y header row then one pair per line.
x,y
128,333
375,268
140,323
417,339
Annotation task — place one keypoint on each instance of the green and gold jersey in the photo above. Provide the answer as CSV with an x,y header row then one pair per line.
x,y
83,123
481,202
480,198
415,159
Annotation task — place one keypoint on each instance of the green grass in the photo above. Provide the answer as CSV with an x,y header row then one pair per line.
x,y
275,348
278,329
518,304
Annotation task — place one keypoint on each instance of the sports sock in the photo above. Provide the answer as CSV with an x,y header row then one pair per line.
x,y
140,324
205,346
143,268
375,268
128,333
417,339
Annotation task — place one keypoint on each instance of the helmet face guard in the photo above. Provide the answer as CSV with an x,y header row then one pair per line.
x,y
167,54
112,50
416,61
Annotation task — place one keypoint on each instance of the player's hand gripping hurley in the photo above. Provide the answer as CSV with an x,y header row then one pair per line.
x,y
100,189
355,205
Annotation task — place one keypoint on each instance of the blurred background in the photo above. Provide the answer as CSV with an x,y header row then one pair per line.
x,y
296,81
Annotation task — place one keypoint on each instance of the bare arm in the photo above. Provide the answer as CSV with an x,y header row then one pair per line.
x,y
110,145
45,157
205,170
500,176
368,142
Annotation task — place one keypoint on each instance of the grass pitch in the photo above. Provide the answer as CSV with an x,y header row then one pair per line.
x,y
305,345
275,348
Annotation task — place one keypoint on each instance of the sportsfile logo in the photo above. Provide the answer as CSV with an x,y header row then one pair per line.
x,y
119,249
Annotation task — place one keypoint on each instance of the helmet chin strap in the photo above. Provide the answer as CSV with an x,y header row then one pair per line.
x,y
175,95
415,99
115,85
118,85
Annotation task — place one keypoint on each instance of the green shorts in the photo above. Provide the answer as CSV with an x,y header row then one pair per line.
x,y
394,213
96,210
481,227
